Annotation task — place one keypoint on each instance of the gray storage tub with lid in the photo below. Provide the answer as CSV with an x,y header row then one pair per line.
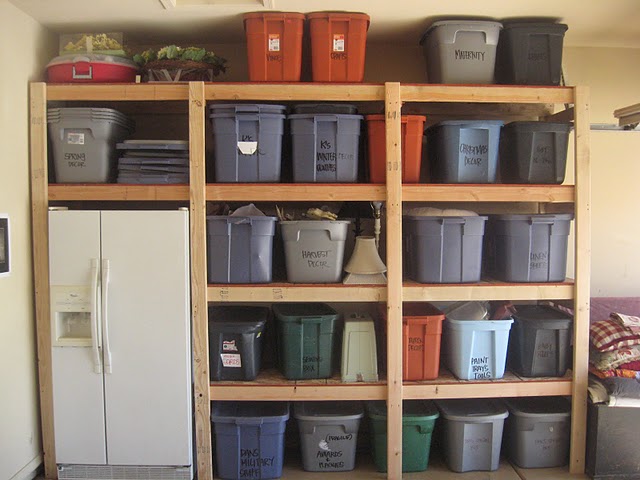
x,y
461,51
540,342
528,248
247,142
443,249
537,431
472,433
464,151
328,434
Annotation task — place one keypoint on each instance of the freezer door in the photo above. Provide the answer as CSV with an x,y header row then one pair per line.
x,y
147,331
78,395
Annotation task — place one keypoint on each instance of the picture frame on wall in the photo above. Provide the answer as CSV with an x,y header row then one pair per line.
x,y
4,245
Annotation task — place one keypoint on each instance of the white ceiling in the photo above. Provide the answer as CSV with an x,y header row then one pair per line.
x,y
607,23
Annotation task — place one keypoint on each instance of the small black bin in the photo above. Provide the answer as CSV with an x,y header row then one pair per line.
x,y
235,341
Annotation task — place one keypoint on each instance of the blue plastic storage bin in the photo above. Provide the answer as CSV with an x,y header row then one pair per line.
x,y
249,439
476,349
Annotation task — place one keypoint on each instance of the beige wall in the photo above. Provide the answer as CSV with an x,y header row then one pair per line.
x,y
21,43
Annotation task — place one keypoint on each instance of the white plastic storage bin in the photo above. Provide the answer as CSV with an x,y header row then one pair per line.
x,y
359,353
461,51
476,349
472,433
314,250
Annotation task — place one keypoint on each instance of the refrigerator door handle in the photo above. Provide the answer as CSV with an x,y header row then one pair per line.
x,y
95,332
105,317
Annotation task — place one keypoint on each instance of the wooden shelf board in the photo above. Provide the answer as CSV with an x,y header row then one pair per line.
x,y
118,192
298,192
487,193
289,292
486,94
488,290
121,92
295,91
511,385
271,385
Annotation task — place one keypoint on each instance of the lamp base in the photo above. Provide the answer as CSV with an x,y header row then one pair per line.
x,y
365,278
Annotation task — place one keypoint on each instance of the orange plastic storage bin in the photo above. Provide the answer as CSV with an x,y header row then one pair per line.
x,y
338,43
412,133
421,334
274,46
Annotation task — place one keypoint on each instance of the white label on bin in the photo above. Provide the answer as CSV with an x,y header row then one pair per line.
x,y
232,360
75,138
338,42
274,42
248,148
229,346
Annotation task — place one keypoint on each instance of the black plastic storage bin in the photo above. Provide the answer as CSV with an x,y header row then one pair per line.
x,y
539,345
235,341
464,151
528,248
247,142
534,152
530,53
443,249
240,249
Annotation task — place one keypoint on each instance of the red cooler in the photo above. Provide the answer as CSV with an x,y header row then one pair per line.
x,y
91,68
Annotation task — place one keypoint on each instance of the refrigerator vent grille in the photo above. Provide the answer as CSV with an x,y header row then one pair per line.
x,y
117,472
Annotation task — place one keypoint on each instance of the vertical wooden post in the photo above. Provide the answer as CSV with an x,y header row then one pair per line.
x,y
394,280
40,244
582,282
197,191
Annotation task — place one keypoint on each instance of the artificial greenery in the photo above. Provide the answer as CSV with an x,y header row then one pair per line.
x,y
173,52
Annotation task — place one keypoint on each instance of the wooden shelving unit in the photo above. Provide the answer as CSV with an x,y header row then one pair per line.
x,y
491,101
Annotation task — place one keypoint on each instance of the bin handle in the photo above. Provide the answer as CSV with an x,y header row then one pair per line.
x,y
314,320
84,62
248,421
454,220
238,220
543,219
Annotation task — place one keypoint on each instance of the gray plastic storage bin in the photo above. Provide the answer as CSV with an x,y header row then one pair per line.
x,y
528,248
530,53
325,147
235,341
464,151
472,433
314,250
443,249
534,152
328,434
537,431
239,249
540,342
83,142
248,142
461,51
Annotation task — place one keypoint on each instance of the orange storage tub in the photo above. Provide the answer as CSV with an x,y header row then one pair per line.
x,y
274,46
338,43
421,334
412,133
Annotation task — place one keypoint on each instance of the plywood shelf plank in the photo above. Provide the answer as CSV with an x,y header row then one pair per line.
x,y
486,94
301,192
488,193
118,192
295,92
121,92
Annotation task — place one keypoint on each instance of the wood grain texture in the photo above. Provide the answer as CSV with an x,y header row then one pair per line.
x,y
488,290
121,92
289,292
583,284
486,94
40,245
118,192
487,193
295,92
198,236
300,192
394,279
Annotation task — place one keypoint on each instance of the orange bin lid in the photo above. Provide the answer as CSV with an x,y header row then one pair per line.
x,y
339,15
420,313
276,15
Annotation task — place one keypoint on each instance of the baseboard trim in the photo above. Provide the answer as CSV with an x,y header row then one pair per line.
x,y
30,470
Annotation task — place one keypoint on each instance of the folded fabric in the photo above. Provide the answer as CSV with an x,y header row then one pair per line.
x,y
617,372
597,391
622,387
607,335
635,365
615,358
628,321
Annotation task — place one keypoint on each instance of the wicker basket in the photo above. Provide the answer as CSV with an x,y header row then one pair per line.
x,y
181,71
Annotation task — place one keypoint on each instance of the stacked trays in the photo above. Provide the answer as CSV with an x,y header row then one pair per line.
x,y
153,162
83,142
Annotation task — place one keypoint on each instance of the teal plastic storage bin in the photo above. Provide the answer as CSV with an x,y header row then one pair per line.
x,y
476,349
306,333
418,420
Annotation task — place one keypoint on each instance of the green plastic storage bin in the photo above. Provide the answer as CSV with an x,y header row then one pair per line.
x,y
418,419
306,339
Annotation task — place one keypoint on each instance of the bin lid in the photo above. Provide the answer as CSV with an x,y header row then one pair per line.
x,y
420,312
552,27
327,411
249,412
467,123
542,316
74,58
466,311
276,15
537,407
339,13
527,218
335,108
472,410
242,316
562,127
233,108
471,24
181,145
479,324
290,312
411,410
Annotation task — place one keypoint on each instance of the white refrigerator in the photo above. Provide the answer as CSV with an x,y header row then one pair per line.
x,y
121,344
